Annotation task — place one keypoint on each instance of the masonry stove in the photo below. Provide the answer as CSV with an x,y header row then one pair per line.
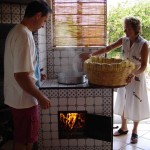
x,y
90,124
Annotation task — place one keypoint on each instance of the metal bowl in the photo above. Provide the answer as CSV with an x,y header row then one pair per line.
x,y
71,78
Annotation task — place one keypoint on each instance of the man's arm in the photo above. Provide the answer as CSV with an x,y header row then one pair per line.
x,y
25,82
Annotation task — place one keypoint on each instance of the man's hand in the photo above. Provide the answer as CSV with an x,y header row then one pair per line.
x,y
43,76
44,102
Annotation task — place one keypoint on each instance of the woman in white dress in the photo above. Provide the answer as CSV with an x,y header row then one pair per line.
x,y
132,100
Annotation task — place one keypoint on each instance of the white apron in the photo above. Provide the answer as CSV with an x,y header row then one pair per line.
x,y
133,99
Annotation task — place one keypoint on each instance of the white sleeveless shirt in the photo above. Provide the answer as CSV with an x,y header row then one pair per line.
x,y
133,99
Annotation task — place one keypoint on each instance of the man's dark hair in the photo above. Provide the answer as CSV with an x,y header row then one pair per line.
x,y
35,7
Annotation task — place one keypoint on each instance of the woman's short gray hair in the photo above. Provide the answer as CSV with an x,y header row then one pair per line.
x,y
135,23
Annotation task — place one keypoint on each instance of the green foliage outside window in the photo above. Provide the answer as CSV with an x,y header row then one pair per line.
x,y
116,15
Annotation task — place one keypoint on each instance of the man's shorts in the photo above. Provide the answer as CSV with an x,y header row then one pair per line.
x,y
26,124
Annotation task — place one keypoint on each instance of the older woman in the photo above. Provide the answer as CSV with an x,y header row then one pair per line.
x,y
132,100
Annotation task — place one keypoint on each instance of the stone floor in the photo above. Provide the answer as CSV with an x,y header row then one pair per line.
x,y
123,142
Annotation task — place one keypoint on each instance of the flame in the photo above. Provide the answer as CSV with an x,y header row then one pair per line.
x,y
70,119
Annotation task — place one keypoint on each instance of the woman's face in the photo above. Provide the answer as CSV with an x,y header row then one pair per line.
x,y
129,31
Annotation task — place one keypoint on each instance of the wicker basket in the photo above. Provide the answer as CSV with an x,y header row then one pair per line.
x,y
108,72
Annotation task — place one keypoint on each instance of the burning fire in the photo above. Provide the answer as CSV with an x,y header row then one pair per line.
x,y
72,120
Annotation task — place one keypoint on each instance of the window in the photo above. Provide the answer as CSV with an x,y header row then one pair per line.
x,y
79,22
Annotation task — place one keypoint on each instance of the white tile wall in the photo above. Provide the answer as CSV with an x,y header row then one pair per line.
x,y
62,59
6,8
13,13
15,9
73,100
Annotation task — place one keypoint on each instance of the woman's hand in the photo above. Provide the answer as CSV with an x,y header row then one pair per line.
x,y
84,56
130,77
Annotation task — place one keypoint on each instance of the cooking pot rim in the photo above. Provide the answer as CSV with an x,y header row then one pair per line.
x,y
71,74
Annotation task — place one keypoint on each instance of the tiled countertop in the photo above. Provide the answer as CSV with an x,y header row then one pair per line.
x,y
53,84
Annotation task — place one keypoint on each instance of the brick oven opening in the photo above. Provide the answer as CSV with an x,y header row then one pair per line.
x,y
80,124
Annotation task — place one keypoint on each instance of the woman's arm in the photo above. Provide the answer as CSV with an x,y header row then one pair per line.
x,y
85,56
108,48
144,59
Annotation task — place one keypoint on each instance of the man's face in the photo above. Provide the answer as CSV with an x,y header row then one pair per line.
x,y
40,21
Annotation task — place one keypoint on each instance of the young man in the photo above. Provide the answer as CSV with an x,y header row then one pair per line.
x,y
20,90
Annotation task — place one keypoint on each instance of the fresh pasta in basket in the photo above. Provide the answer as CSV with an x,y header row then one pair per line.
x,y
108,71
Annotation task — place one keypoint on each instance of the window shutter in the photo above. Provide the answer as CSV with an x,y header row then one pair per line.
x,y
79,22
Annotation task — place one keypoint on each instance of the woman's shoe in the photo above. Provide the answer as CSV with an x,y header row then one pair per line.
x,y
134,138
120,132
